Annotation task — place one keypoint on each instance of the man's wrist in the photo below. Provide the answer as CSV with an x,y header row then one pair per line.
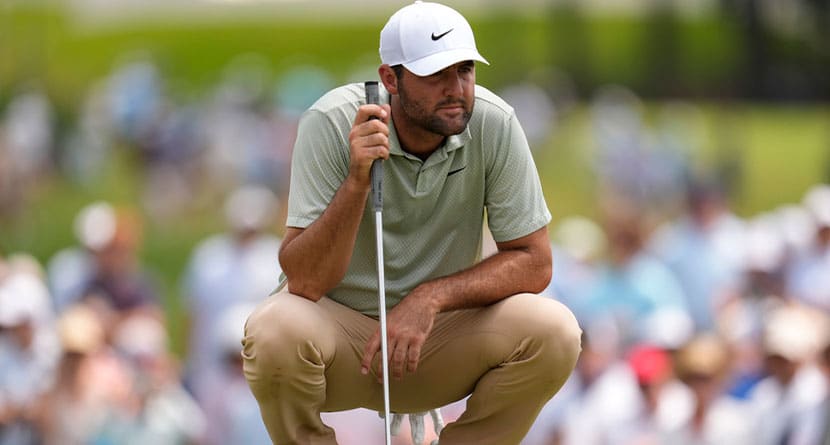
x,y
355,185
429,295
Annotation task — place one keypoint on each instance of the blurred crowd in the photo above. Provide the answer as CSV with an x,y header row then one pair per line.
x,y
700,326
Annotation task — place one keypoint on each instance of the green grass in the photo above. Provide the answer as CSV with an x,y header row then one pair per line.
x,y
785,153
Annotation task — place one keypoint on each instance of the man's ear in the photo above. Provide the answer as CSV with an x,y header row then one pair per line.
x,y
389,78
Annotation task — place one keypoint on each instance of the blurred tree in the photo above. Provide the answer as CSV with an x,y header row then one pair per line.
x,y
756,65
570,44
821,15
661,42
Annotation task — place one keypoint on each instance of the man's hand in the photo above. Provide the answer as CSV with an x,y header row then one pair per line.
x,y
368,140
408,325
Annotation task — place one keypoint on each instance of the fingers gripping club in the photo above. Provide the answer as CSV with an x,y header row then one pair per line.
x,y
372,97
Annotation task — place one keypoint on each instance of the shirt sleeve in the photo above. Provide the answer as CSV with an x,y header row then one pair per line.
x,y
319,165
515,203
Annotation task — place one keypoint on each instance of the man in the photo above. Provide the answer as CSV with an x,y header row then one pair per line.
x,y
457,325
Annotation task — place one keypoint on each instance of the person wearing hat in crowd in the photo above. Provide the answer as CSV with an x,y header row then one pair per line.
x,y
106,268
792,337
458,326
159,410
29,349
703,364
90,383
661,403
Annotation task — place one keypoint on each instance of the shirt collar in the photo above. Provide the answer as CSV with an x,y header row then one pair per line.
x,y
452,143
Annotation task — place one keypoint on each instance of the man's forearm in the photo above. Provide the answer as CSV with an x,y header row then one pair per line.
x,y
525,266
316,258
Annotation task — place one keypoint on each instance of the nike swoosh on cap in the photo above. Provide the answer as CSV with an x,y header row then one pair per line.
x,y
434,37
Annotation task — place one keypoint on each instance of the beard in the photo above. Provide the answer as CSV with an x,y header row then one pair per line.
x,y
418,114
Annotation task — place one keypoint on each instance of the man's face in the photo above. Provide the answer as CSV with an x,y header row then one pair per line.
x,y
441,103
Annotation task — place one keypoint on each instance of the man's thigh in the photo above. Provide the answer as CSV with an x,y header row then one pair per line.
x,y
462,347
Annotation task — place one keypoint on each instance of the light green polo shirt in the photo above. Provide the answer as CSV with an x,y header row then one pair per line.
x,y
433,210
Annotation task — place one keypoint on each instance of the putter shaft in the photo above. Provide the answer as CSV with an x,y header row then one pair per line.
x,y
372,97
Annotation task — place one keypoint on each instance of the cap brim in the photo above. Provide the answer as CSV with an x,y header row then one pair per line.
x,y
433,63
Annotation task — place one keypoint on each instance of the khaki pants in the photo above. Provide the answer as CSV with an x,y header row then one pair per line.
x,y
302,358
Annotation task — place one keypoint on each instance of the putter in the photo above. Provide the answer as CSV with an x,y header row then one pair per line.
x,y
377,204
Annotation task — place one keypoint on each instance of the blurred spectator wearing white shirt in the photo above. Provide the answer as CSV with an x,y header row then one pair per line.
x,y
704,248
791,338
240,266
29,350
231,410
26,143
808,280
813,427
599,394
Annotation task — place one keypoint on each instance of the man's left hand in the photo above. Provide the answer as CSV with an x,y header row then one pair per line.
x,y
408,324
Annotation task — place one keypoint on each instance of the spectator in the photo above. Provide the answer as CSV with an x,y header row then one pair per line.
x,y
240,266
135,99
535,109
91,381
599,394
794,385
106,269
808,279
662,403
813,426
29,351
158,409
578,245
704,250
632,286
703,364
232,412
26,143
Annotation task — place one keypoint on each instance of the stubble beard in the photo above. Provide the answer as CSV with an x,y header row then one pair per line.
x,y
432,122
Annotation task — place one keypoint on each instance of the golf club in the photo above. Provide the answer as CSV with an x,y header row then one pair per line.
x,y
377,204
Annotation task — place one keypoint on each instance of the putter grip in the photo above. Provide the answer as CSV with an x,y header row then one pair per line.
x,y
372,97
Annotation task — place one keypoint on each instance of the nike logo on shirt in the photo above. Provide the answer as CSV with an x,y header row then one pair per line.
x,y
456,171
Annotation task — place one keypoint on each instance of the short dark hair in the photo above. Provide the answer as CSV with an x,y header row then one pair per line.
x,y
398,69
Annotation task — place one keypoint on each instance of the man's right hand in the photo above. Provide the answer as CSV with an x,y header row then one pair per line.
x,y
368,140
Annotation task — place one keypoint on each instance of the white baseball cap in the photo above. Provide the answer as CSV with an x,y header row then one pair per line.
x,y
426,38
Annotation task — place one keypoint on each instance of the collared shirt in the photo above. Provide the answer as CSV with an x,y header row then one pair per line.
x,y
433,209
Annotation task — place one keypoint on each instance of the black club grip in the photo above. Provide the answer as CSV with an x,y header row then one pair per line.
x,y
372,97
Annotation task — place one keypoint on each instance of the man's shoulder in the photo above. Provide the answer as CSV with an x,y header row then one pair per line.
x,y
490,102
348,96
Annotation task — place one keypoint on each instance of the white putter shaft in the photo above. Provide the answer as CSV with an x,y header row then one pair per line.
x,y
372,97
384,348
